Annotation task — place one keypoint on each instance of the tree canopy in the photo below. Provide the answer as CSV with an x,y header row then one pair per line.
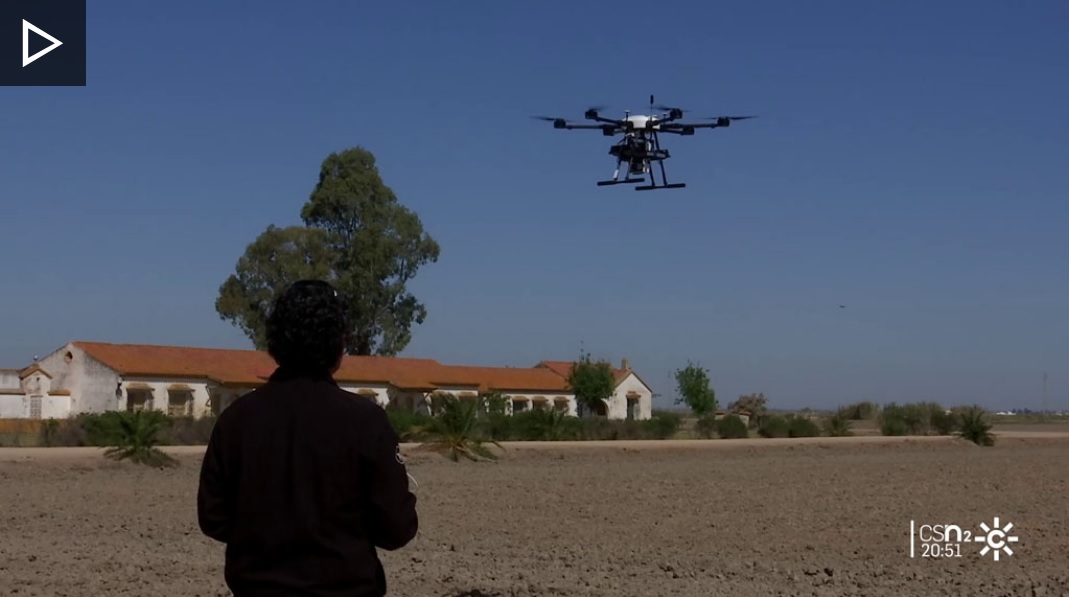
x,y
592,382
692,383
358,237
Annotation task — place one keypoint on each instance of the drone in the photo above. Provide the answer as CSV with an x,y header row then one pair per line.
x,y
640,145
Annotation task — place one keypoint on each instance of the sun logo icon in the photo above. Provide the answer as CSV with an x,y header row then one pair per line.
x,y
996,539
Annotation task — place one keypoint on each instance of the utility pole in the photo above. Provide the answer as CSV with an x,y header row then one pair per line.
x,y
1046,410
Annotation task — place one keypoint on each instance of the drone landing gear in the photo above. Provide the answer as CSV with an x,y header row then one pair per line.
x,y
606,183
664,181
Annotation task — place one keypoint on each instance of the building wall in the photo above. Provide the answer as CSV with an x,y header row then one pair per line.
x,y
91,383
9,379
618,403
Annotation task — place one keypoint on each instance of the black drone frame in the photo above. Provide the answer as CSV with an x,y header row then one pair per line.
x,y
642,146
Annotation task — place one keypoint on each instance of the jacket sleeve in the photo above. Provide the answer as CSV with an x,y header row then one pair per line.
x,y
393,519
214,505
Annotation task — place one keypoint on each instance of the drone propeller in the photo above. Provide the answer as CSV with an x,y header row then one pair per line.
x,y
664,108
728,117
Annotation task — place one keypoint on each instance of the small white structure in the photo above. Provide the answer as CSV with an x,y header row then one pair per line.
x,y
91,377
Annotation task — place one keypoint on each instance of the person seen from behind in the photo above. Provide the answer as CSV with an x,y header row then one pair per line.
x,y
304,481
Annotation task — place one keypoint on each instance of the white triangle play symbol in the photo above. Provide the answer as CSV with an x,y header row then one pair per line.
x,y
26,27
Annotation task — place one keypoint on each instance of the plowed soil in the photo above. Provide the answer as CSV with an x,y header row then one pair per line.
x,y
614,519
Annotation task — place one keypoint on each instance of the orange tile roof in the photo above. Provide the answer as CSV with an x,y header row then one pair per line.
x,y
251,367
502,378
564,368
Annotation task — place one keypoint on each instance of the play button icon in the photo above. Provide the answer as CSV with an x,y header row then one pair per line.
x,y
27,27
42,43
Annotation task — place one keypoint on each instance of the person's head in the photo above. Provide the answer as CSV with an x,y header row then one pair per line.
x,y
308,328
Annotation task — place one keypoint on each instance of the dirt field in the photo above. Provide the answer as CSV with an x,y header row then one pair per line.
x,y
700,518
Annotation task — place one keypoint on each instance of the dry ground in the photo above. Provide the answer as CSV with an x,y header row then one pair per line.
x,y
613,519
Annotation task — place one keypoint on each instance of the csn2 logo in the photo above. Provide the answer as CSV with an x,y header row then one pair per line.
x,y
942,540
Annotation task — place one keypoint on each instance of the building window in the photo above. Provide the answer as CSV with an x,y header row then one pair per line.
x,y
138,400
180,403
35,407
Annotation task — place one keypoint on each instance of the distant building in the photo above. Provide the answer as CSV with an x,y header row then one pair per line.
x,y
89,377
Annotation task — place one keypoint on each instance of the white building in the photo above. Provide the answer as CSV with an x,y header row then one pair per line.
x,y
87,377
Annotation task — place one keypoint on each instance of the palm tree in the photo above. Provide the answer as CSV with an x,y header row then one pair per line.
x,y
135,437
974,426
455,432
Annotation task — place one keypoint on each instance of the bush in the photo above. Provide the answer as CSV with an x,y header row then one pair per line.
x,y
663,425
774,426
705,426
799,426
542,425
409,425
943,422
861,411
838,425
975,427
919,418
732,427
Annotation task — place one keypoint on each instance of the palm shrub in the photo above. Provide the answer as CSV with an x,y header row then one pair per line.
x,y
455,432
732,427
135,437
974,426
838,425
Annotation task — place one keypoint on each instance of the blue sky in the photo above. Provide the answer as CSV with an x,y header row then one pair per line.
x,y
909,162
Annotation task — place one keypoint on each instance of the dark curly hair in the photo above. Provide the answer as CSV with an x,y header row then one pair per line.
x,y
308,328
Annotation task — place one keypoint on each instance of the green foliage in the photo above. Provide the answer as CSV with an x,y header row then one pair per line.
x,y
357,236
705,426
861,411
975,427
135,435
732,427
692,384
409,425
774,426
839,424
912,419
545,424
800,426
592,382
455,431
663,424
944,423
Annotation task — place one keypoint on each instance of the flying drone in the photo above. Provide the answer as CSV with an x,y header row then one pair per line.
x,y
640,145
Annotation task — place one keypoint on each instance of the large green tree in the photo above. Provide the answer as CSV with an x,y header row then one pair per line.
x,y
357,236
592,382
692,384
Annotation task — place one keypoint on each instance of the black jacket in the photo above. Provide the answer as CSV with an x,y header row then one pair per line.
x,y
302,481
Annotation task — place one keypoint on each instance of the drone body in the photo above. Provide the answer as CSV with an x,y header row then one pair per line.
x,y
640,145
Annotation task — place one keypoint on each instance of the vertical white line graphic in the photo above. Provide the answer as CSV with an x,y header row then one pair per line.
x,y
912,537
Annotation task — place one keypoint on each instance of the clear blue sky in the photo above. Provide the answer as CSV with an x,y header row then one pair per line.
x,y
910,163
